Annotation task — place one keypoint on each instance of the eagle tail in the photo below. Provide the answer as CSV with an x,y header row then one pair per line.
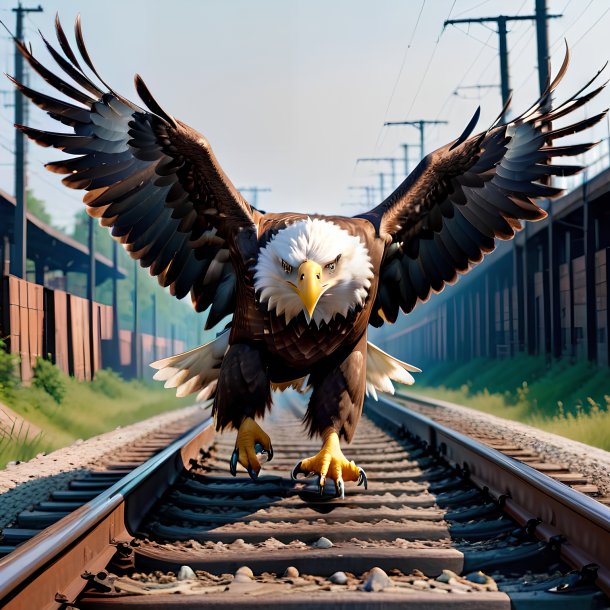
x,y
381,369
196,370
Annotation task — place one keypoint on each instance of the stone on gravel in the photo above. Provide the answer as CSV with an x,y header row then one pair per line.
x,y
338,578
377,580
186,573
322,543
446,576
291,572
477,577
481,581
243,574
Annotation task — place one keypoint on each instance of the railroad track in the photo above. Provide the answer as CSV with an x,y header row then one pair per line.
x,y
446,522
88,483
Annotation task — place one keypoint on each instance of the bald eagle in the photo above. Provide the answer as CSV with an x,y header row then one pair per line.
x,y
302,289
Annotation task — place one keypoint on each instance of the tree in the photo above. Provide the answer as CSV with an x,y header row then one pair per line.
x,y
103,241
180,315
38,208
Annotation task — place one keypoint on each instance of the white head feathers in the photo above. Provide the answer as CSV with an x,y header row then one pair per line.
x,y
345,284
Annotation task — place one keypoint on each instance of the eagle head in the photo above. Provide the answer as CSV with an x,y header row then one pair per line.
x,y
313,266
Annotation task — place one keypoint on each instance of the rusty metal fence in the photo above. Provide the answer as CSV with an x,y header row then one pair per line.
x,y
36,321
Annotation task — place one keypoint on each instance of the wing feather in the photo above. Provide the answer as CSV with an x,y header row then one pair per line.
x,y
152,180
449,212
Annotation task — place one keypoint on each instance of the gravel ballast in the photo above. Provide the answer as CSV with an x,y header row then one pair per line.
x,y
590,461
27,483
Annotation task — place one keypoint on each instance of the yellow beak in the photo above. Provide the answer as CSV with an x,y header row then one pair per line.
x,y
309,285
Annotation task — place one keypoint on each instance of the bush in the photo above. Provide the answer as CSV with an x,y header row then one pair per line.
x,y
49,378
8,369
109,383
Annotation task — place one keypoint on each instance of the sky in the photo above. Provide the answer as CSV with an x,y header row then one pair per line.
x,y
291,93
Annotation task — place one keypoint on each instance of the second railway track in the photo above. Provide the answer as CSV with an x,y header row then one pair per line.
x,y
446,522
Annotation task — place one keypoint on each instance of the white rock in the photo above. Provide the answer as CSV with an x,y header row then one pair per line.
x,y
291,572
244,571
186,573
322,543
338,578
446,575
377,580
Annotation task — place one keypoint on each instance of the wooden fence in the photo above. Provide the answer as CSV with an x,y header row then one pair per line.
x,y
23,323
37,321
150,348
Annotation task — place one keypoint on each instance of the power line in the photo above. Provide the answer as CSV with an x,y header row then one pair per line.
x,y
593,25
402,65
425,74
421,125
473,8
581,14
450,99
467,33
501,21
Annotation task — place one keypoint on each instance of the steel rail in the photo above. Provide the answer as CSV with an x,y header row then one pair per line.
x,y
576,521
45,572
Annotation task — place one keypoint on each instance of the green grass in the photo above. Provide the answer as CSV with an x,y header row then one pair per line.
x,y
572,400
18,442
86,409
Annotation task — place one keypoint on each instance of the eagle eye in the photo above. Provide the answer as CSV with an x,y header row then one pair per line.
x,y
286,267
333,264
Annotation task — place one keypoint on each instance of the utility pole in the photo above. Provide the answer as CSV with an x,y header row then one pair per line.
x,y
369,190
391,160
116,341
381,185
477,87
91,289
255,190
136,323
501,21
542,41
18,265
405,156
154,323
421,125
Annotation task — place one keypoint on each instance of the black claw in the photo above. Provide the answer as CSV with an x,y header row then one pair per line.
x,y
340,487
233,462
295,471
259,449
253,474
321,486
362,478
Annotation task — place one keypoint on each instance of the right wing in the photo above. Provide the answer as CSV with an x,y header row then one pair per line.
x,y
449,212
150,178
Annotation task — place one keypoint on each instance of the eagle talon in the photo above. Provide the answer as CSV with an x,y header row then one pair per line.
x,y
330,462
298,470
259,449
251,441
233,462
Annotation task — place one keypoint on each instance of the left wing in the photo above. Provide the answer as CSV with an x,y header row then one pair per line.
x,y
151,179
449,211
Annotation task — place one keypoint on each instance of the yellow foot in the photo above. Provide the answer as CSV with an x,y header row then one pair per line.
x,y
330,462
251,439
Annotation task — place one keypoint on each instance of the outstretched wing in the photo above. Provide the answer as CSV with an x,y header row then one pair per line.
x,y
150,178
450,210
